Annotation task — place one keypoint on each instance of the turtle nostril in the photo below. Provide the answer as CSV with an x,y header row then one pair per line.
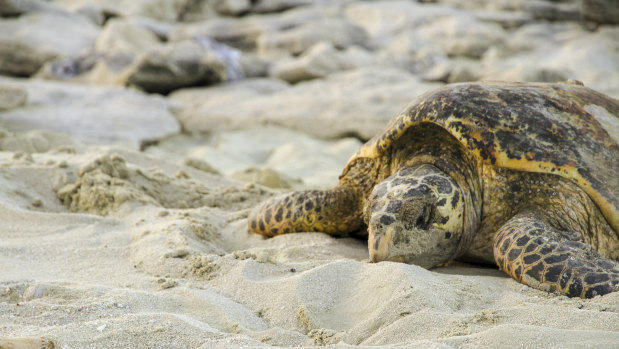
x,y
423,221
420,220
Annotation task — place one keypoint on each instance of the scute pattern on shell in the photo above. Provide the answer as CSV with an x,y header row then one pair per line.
x,y
542,128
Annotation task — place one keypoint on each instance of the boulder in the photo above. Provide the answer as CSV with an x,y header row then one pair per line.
x,y
225,95
558,53
13,8
357,102
99,115
506,19
384,20
175,65
319,61
12,97
121,37
239,33
299,30
462,35
267,6
232,7
26,42
163,10
410,51
550,11
600,11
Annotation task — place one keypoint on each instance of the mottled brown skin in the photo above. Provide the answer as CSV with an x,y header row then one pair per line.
x,y
522,175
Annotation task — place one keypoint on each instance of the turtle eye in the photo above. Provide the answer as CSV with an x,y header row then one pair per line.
x,y
424,219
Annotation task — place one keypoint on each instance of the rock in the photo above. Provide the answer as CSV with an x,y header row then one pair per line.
x,y
245,154
200,164
253,66
412,52
232,7
94,13
556,52
319,61
506,19
358,102
13,8
26,42
383,20
551,11
12,97
120,38
176,65
227,55
463,35
225,95
600,11
266,177
239,33
464,71
127,53
36,141
99,115
302,33
439,72
163,10
266,6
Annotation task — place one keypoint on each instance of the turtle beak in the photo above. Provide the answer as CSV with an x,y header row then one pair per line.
x,y
378,246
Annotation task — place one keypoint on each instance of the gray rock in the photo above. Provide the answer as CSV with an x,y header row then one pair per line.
x,y
225,95
506,19
305,30
120,37
555,52
319,61
357,102
462,35
411,51
176,65
163,10
239,33
99,115
550,11
253,65
27,42
266,6
12,97
464,71
384,20
12,8
267,177
600,11
232,7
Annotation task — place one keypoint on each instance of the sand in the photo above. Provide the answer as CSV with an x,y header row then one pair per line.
x,y
105,246
123,214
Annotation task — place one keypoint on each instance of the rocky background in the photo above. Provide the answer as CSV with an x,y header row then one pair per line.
x,y
330,69
136,135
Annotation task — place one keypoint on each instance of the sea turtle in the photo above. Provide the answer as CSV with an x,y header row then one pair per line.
x,y
525,175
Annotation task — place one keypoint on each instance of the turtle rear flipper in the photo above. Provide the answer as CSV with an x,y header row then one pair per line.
x,y
536,254
335,212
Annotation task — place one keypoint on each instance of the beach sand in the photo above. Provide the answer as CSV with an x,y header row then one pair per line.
x,y
123,214
109,247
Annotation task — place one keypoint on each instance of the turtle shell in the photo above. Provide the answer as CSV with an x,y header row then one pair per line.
x,y
564,129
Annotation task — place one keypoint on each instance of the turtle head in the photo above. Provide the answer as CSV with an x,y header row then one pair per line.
x,y
415,216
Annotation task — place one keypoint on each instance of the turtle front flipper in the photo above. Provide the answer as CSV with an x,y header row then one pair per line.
x,y
335,211
536,254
